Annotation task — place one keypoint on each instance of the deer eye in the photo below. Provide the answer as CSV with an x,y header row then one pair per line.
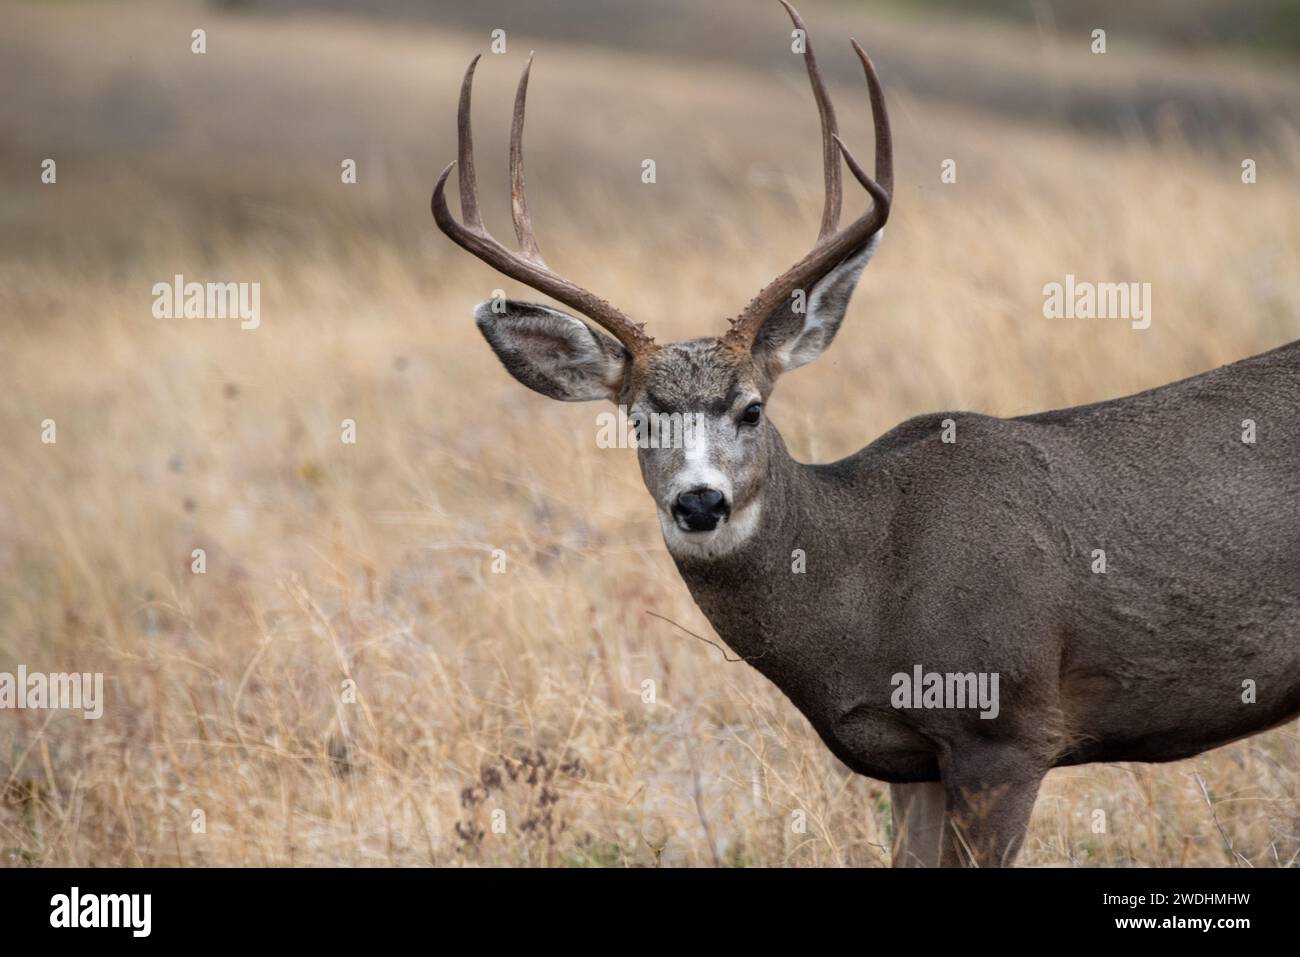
x,y
753,412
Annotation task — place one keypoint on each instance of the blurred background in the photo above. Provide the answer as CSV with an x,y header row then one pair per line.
x,y
457,614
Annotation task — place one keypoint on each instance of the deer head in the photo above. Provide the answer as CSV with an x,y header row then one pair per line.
x,y
708,488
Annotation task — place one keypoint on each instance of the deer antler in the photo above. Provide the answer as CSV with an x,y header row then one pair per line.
x,y
832,247
527,266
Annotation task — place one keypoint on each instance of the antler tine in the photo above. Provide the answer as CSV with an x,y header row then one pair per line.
x,y
526,267
465,151
880,118
826,115
831,250
518,195
878,193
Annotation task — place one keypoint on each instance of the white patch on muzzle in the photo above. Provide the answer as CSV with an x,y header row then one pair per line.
x,y
698,470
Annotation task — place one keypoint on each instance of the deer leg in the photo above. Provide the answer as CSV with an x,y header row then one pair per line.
x,y
918,813
990,797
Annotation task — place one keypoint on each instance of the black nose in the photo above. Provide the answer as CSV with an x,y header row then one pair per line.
x,y
700,509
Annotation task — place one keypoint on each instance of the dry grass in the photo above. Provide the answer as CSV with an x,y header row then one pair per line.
x,y
519,692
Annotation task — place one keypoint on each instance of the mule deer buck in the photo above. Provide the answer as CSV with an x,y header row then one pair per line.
x,y
965,556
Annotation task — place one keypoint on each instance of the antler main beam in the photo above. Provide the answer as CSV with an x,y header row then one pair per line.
x,y
832,247
526,266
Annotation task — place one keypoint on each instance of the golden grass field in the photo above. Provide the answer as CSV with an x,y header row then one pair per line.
x,y
522,692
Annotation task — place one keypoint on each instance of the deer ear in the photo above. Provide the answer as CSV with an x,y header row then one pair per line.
x,y
789,339
551,352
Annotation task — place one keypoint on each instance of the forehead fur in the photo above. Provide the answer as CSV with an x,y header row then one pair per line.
x,y
695,375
